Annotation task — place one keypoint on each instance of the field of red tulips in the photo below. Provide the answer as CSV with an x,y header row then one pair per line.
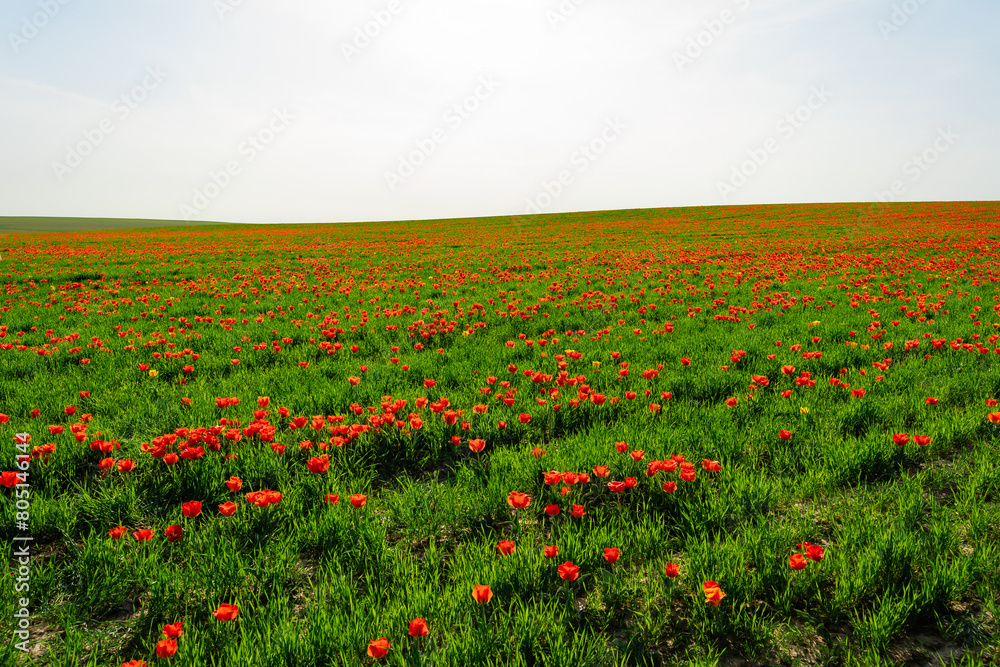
x,y
727,435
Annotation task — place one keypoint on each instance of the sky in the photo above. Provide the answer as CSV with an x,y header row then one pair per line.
x,y
317,111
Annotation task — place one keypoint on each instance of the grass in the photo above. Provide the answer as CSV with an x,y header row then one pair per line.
x,y
909,533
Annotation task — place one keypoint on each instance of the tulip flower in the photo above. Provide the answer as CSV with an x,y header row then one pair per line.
x,y
518,500
165,648
568,571
482,593
418,628
713,594
226,612
378,648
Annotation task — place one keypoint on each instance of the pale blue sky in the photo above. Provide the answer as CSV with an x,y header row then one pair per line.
x,y
316,125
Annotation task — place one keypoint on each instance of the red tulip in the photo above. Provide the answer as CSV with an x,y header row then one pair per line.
x,y
524,418
505,547
813,551
226,612
378,648
173,533
318,464
577,511
673,570
173,630
611,554
358,500
143,535
165,648
117,532
931,400
418,628
191,508
518,500
10,479
482,594
601,471
900,439
228,508
797,562
551,551
568,571
552,510
670,487
785,435
234,484
616,487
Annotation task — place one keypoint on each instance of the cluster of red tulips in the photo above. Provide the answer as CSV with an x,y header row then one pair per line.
x,y
167,647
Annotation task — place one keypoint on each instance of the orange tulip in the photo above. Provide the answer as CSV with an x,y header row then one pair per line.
x,y
713,594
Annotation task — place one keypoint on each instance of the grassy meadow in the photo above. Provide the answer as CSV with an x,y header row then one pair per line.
x,y
759,435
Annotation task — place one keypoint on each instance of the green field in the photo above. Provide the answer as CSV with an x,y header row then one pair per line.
x,y
693,375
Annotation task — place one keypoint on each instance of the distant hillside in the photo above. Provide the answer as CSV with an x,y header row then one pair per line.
x,y
40,225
